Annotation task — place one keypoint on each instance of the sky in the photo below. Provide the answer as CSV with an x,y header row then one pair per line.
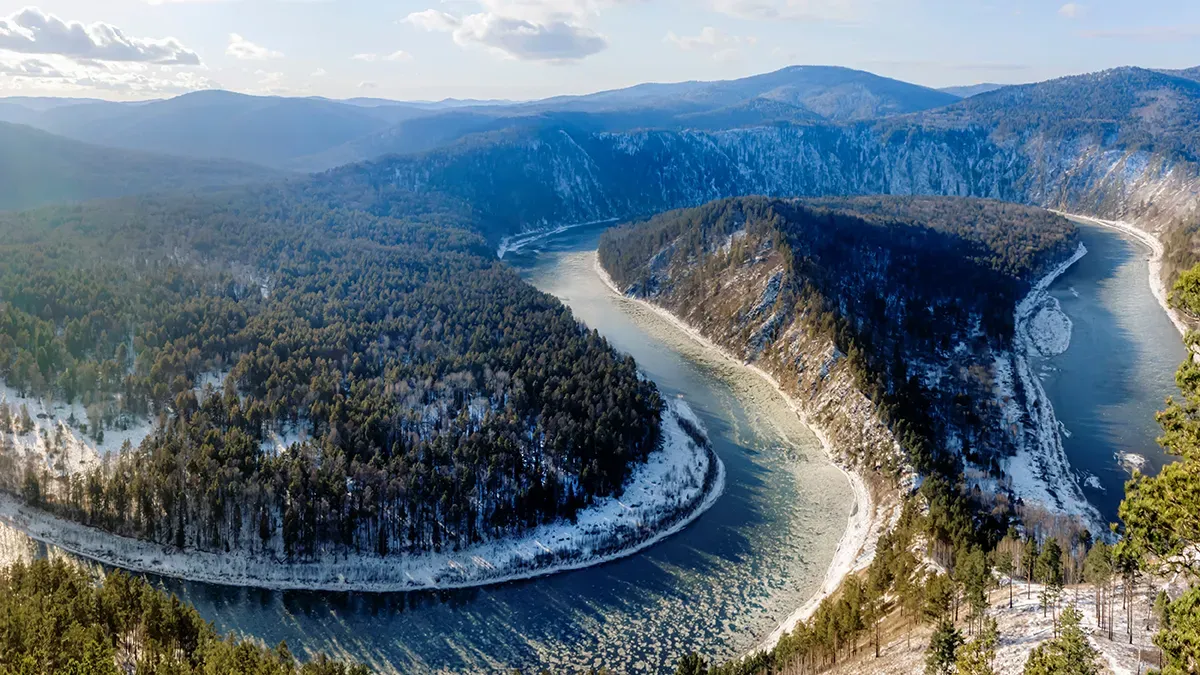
x,y
526,49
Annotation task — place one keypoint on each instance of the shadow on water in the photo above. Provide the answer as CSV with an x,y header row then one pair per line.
x,y
1118,369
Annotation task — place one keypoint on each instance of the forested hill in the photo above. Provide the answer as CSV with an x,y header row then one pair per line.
x,y
39,168
443,400
1119,144
916,296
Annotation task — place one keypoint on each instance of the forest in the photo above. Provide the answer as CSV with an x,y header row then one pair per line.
x,y
54,618
908,288
1154,544
440,400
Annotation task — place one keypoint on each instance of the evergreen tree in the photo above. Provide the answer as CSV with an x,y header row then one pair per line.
x,y
978,656
1068,654
941,656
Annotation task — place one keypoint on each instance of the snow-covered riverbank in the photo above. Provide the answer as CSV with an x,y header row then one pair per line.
x,y
1040,470
672,488
1158,285
868,520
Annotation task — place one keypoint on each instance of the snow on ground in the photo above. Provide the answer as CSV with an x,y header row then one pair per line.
x,y
677,483
517,242
1049,329
1022,628
1040,470
58,439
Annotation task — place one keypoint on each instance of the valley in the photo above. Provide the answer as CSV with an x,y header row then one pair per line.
x,y
728,374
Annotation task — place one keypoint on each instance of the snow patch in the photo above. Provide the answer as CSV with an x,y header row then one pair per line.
x,y
677,483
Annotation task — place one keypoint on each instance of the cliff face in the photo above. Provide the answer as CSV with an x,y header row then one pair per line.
x,y
559,176
887,320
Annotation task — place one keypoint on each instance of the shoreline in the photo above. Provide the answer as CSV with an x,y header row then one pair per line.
x,y
1158,287
1042,459
428,572
865,524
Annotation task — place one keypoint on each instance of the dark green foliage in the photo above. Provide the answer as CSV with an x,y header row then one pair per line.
x,y
1067,654
943,649
1180,635
53,619
446,400
893,281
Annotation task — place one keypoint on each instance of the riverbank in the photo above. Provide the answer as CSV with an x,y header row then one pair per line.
x,y
1039,471
1158,285
867,521
678,482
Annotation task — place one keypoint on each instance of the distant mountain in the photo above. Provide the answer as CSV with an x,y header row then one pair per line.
x,y
38,168
834,93
218,125
797,94
969,90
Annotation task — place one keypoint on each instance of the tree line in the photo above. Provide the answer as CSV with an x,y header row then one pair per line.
x,y
442,400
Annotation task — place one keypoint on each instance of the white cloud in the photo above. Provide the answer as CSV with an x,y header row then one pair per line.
x,y
319,72
32,31
554,41
367,84
556,31
1071,10
789,10
241,48
61,74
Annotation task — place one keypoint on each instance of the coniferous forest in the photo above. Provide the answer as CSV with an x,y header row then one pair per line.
x,y
443,400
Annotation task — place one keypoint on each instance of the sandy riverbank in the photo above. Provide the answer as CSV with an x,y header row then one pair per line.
x,y
867,520
677,483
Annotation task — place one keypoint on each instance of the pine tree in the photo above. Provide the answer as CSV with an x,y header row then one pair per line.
x,y
943,649
978,656
1068,654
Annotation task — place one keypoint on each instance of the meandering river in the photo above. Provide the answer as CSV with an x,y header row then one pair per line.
x,y
720,586
726,581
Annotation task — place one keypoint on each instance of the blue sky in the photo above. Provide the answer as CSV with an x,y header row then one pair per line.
x,y
432,49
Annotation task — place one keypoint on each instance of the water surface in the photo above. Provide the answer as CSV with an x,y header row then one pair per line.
x,y
720,586
1120,366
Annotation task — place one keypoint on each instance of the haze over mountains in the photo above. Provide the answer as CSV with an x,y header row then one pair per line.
x,y
316,134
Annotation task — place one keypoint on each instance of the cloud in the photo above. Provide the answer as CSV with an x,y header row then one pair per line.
x,y
788,10
1071,10
319,72
722,46
367,84
62,74
241,48
399,55
523,39
31,31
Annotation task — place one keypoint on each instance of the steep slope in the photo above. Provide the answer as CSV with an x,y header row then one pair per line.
x,y
887,319
1119,145
39,168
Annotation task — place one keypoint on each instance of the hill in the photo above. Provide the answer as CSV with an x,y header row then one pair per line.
x,y
966,91
217,125
39,168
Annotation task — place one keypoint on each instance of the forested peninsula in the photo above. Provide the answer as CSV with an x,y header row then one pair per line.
x,y
322,381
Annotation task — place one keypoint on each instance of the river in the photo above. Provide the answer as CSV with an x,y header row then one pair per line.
x,y
720,586
726,581
1119,368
